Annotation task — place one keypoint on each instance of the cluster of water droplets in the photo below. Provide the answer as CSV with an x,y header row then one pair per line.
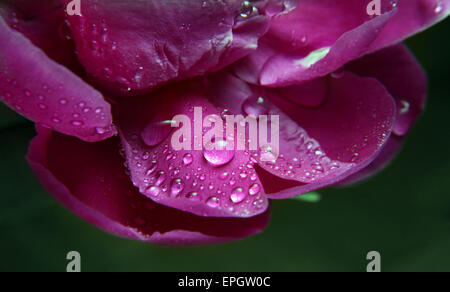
x,y
167,174
308,163
40,101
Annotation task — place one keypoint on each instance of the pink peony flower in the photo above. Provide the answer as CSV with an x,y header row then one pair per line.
x,y
103,89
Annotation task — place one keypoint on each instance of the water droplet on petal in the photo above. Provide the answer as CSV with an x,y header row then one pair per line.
x,y
213,202
219,155
153,191
177,187
100,130
193,196
247,10
237,195
438,9
161,178
254,189
77,123
188,159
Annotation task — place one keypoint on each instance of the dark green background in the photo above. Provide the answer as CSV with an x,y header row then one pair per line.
x,y
404,213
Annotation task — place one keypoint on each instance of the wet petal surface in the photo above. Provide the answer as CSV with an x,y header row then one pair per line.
x,y
48,93
90,180
207,182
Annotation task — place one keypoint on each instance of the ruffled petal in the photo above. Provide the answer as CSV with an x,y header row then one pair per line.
x,y
385,157
43,23
397,69
48,93
322,145
319,37
216,183
90,180
132,47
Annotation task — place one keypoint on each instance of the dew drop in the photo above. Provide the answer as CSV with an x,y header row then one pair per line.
x,y
188,159
254,189
153,191
438,9
213,202
161,178
77,123
100,130
177,187
237,195
151,169
193,196
224,175
219,155
247,10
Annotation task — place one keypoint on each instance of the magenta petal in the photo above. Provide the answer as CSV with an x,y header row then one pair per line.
x,y
48,93
397,69
312,93
217,183
43,23
320,36
290,68
134,46
342,134
322,145
378,164
90,180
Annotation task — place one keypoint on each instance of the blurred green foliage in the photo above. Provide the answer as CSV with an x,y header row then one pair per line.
x,y
404,212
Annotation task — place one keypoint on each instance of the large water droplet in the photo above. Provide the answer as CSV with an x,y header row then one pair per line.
x,y
254,189
219,155
237,195
188,159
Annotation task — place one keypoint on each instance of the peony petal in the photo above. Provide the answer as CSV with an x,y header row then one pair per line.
x,y
48,93
206,183
385,157
397,69
320,36
132,47
90,180
323,145
43,23
290,68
